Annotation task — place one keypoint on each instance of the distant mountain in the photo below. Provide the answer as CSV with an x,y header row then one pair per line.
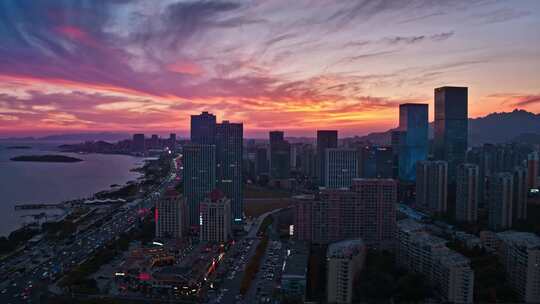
x,y
102,136
518,125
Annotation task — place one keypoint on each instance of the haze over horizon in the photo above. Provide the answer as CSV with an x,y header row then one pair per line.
x,y
133,66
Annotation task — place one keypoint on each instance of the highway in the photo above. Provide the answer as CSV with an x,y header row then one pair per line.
x,y
44,263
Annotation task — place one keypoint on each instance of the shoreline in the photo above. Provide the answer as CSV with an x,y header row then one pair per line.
x,y
133,172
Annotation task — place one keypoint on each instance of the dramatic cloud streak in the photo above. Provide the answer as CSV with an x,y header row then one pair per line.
x,y
132,65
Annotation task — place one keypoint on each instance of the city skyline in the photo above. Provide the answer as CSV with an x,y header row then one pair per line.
x,y
130,67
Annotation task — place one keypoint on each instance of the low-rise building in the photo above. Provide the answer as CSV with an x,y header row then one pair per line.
x,y
294,276
215,218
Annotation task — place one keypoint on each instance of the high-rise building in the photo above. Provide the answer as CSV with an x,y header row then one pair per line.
x,y
365,211
520,190
367,162
341,167
172,141
308,161
397,137
280,156
199,176
203,128
229,150
139,145
431,186
345,260
276,136
451,126
520,256
154,142
326,139
215,218
413,121
261,161
533,170
501,195
384,162
171,215
467,193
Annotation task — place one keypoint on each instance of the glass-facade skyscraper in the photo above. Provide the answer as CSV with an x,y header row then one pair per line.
x,y
451,126
413,145
199,176
226,142
229,149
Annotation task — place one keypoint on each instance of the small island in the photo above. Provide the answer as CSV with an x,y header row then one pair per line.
x,y
47,158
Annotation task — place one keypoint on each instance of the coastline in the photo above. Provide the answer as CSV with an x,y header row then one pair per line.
x,y
96,174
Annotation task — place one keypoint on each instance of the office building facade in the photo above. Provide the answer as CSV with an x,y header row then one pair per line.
x,y
199,176
451,126
341,167
229,151
413,122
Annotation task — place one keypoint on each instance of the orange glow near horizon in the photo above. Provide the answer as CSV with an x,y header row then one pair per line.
x,y
70,67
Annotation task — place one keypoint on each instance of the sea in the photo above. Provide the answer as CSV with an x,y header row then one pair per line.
x,y
42,182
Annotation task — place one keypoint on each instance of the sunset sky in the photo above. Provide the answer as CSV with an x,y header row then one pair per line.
x,y
296,65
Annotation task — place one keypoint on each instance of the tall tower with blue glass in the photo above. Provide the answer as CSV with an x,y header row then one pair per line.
x,y
413,146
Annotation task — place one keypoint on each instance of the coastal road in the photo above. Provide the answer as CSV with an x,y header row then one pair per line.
x,y
27,285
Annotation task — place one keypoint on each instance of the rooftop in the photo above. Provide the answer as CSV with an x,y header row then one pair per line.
x,y
345,249
523,239
454,258
296,262
409,225
428,239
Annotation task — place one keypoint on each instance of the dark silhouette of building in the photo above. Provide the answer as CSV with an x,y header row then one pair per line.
x,y
451,126
326,139
139,145
199,176
229,149
280,156
203,128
